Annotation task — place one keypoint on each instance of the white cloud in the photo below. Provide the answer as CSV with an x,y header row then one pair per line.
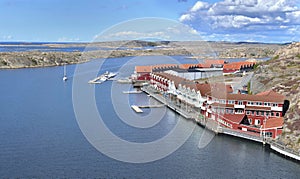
x,y
67,39
241,16
173,32
199,6
7,37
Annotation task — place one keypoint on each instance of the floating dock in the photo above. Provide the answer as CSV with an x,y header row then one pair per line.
x,y
136,109
132,92
152,106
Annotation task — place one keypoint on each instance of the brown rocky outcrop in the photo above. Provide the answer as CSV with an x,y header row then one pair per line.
x,y
282,74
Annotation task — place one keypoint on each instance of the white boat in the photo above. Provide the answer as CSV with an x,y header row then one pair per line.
x,y
103,78
65,78
109,74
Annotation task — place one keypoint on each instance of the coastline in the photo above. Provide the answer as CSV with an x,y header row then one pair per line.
x,y
197,49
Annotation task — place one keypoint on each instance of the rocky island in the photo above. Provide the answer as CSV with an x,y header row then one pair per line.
x,y
198,49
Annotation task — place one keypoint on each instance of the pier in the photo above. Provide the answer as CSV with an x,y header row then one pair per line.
x,y
152,106
136,109
132,92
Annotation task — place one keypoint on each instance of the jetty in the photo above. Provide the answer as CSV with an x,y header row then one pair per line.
x,y
132,92
136,109
152,106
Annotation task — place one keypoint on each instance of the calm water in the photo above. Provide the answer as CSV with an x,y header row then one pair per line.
x,y
40,136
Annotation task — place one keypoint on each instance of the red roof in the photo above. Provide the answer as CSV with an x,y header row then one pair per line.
x,y
143,69
235,118
214,62
271,94
273,123
238,65
204,88
247,97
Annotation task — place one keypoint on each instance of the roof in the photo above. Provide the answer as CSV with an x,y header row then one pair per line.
x,y
273,122
150,68
204,88
235,118
143,69
214,62
238,65
220,89
247,97
177,80
271,94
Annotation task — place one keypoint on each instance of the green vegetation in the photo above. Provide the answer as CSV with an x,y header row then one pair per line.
x,y
249,88
4,63
298,55
292,64
255,66
276,57
34,61
152,44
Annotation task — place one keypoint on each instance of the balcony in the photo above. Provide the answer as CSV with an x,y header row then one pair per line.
x,y
239,106
209,102
276,108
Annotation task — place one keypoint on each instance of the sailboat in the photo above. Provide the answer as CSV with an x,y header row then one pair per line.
x,y
65,78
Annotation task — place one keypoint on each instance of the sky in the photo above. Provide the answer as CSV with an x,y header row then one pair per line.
x,y
270,21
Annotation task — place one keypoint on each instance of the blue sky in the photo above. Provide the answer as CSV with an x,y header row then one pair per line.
x,y
227,20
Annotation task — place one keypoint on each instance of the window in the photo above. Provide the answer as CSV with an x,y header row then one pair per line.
x,y
250,121
277,114
230,111
252,113
257,122
268,134
222,101
272,113
274,104
248,112
240,102
257,113
239,111
262,113
267,113
231,102
267,104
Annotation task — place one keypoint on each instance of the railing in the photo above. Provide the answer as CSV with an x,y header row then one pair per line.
x,y
285,149
242,134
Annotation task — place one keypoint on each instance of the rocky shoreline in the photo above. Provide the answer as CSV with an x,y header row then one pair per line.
x,y
199,49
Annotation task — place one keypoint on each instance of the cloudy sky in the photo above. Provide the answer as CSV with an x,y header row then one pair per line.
x,y
226,20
